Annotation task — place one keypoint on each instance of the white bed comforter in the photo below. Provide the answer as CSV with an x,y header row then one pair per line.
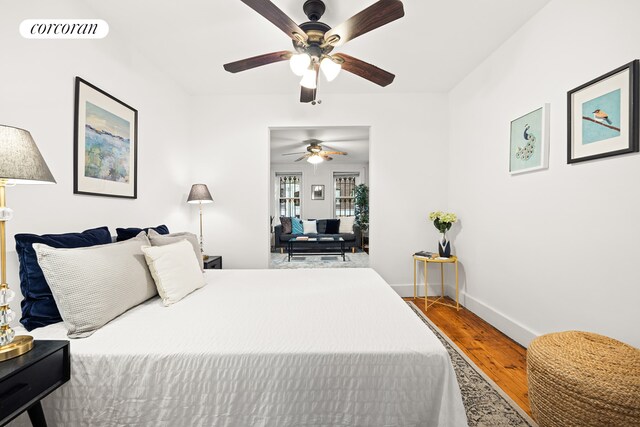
x,y
262,348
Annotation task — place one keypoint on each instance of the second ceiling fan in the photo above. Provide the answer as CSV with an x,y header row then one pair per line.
x,y
314,42
316,153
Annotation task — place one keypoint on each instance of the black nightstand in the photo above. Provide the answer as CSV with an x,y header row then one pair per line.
x,y
26,379
213,262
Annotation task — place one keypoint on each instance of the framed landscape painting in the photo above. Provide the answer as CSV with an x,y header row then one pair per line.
x,y
529,141
603,116
105,144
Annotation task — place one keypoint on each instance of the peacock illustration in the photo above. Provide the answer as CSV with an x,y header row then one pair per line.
x,y
525,153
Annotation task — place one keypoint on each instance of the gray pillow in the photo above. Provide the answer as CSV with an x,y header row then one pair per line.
x,y
158,239
96,284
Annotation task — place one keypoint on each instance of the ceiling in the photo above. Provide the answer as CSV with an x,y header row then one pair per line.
x,y
435,45
352,139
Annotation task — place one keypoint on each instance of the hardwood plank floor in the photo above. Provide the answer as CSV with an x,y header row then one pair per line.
x,y
502,359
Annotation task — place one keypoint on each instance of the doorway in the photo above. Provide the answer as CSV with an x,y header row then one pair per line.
x,y
319,183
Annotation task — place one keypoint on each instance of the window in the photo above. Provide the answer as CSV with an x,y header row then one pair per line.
x,y
288,194
345,185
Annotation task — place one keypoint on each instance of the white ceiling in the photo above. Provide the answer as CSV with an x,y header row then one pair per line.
x,y
430,49
354,140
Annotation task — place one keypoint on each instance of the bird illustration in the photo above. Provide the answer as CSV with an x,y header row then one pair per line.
x,y
601,116
525,153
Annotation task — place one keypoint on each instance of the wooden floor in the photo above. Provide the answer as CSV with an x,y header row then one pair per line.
x,y
501,358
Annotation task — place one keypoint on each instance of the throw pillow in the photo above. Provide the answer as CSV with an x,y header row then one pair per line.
x,y
157,239
309,227
174,270
333,226
321,225
296,226
38,306
346,224
94,285
130,233
286,224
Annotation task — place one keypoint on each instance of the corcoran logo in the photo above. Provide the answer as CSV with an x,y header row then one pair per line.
x,y
64,29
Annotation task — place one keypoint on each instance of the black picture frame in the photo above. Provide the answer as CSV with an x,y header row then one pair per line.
x,y
118,176
578,149
317,192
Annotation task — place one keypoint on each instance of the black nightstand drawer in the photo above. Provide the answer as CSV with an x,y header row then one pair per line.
x,y
35,375
213,263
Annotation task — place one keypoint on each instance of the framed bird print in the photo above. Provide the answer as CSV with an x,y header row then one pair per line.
x,y
603,116
529,142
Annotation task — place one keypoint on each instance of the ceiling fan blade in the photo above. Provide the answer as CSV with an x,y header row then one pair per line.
x,y
376,15
327,158
325,153
277,18
291,154
365,70
303,157
257,61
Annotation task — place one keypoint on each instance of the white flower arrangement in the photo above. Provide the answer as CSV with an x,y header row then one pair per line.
x,y
442,220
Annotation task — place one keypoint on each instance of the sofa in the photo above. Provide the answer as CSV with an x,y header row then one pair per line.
x,y
351,240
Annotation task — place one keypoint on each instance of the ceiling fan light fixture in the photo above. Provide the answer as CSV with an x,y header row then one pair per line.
x,y
314,159
330,68
299,63
309,79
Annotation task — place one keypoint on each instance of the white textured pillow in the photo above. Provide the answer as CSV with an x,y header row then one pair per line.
x,y
96,284
346,224
309,227
174,270
158,239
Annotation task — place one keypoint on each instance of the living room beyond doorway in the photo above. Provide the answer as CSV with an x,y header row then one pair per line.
x,y
319,197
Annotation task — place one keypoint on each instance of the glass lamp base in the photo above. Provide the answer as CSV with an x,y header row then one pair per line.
x,y
19,346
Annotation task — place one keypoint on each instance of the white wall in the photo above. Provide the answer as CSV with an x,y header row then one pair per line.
x,y
37,94
321,175
407,169
557,249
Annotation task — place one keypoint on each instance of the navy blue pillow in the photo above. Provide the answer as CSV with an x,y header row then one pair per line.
x,y
38,306
333,226
130,233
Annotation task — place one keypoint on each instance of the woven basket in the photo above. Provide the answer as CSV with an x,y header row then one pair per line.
x,y
583,379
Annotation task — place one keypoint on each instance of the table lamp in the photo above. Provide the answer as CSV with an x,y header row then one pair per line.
x,y
200,194
20,163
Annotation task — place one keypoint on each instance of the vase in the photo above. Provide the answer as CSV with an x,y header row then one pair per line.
x,y
444,246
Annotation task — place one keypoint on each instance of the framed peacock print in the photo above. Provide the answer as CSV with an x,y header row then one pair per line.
x,y
603,116
529,141
105,147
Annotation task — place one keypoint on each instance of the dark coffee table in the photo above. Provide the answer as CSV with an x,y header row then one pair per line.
x,y
325,245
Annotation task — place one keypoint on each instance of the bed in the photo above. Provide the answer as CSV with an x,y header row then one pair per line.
x,y
261,348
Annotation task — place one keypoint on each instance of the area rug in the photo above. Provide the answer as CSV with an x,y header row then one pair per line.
x,y
357,260
486,404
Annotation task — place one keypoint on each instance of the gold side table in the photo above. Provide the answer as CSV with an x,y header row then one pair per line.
x,y
438,300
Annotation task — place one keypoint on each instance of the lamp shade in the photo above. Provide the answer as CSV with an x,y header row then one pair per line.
x,y
199,194
20,159
314,159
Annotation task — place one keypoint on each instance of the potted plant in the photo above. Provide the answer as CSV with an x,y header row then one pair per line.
x,y
361,201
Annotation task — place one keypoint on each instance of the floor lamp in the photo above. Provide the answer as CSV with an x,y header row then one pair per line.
x,y
20,163
200,194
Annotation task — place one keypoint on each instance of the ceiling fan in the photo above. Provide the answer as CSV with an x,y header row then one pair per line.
x,y
314,41
315,153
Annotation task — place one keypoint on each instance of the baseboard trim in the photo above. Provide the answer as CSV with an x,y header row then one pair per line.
x,y
406,291
505,324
